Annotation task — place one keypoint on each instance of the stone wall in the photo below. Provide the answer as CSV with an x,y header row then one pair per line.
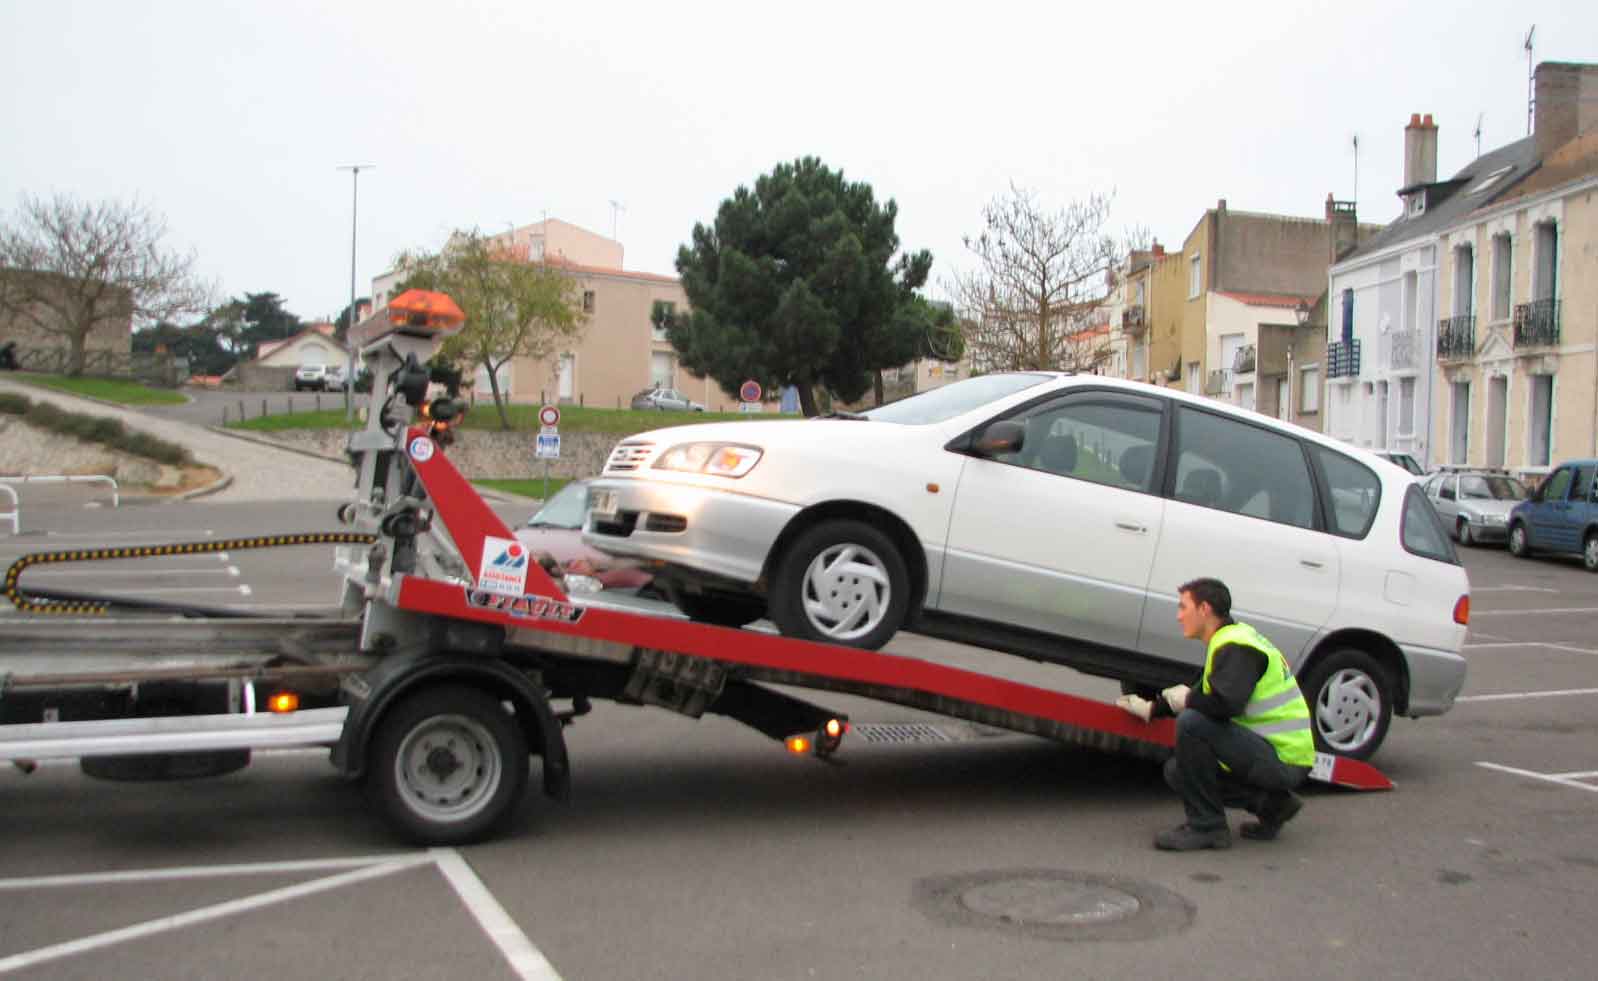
x,y
478,453
25,449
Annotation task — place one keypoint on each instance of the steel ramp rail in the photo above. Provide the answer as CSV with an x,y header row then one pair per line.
x,y
170,734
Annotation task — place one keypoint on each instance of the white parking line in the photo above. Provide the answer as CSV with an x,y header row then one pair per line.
x,y
525,959
227,570
203,871
1532,613
1513,695
1533,643
1561,779
204,914
1513,589
163,533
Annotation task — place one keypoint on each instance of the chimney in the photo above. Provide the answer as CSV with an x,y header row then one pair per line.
x,y
1342,227
1420,150
1159,249
1566,104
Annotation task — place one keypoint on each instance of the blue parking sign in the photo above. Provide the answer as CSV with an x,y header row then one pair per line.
x,y
548,447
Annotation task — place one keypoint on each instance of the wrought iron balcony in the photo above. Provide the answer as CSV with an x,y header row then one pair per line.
x,y
1342,359
1216,383
1132,320
1400,350
1536,323
1243,360
1456,338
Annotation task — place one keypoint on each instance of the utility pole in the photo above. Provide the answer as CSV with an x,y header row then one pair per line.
x,y
349,346
615,207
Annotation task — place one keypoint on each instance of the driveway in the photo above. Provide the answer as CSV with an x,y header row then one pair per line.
x,y
208,408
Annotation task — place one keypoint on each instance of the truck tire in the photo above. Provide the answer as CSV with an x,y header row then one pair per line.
x,y
1350,699
841,582
448,765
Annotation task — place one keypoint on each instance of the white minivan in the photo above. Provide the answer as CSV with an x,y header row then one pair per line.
x,y
1054,516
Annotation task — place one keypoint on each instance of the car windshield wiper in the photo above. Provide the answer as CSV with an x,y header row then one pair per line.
x,y
843,415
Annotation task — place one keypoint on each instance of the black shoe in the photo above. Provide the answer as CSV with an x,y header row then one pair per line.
x,y
1187,839
1272,818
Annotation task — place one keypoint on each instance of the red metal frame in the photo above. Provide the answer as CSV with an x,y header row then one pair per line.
x,y
547,607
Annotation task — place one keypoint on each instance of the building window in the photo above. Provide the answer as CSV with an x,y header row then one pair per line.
x,y
1501,276
1411,301
1193,387
588,301
1464,273
660,316
1140,292
1545,283
1348,316
662,369
1309,388
1539,448
1406,406
567,372
1195,278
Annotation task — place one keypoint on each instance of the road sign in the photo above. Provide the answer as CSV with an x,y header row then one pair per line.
x,y
549,416
749,391
548,447
751,407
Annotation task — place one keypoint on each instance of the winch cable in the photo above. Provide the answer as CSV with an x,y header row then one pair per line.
x,y
83,604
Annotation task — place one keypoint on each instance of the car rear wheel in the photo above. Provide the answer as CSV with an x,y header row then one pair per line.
x,y
1464,534
1350,699
1518,545
841,582
1589,551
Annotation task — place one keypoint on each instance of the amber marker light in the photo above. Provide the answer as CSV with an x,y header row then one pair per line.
x,y
834,728
798,744
932,488
283,701
1462,611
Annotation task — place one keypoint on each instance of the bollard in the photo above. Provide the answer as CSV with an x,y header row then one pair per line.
x,y
291,405
241,410
579,399
319,401
224,415
263,408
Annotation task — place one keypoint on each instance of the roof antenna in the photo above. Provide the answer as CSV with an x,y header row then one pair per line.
x,y
616,207
1479,116
1531,78
1356,171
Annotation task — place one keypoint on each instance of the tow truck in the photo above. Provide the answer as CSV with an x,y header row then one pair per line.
x,y
456,656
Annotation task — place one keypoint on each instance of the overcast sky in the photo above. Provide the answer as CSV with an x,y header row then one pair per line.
x,y
232,117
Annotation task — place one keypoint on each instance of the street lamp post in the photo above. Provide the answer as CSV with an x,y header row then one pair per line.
x,y
349,347
1301,314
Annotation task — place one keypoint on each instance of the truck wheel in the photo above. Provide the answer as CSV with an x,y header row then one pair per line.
x,y
1519,547
841,582
1350,699
448,765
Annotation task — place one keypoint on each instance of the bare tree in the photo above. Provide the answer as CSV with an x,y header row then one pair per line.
x,y
67,267
1029,303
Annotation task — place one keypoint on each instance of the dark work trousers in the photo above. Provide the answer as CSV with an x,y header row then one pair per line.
x,y
1256,772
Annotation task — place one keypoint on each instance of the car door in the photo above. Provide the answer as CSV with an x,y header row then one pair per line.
x,y
1059,535
1443,489
1578,509
1549,514
1241,508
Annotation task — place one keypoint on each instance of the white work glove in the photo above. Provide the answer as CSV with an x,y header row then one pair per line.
x,y
1140,707
1176,697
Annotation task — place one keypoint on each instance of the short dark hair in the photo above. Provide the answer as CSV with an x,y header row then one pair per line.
x,y
1211,591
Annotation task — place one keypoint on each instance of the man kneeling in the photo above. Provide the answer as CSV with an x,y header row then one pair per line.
x,y
1242,738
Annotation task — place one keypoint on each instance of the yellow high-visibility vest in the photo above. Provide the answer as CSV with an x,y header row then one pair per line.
x,y
1276,709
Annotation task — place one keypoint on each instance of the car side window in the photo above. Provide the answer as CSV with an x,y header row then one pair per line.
x,y
1433,485
1446,492
1422,530
1355,491
1233,466
1558,485
1100,438
1581,490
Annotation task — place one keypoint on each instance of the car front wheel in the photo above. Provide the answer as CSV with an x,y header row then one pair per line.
x,y
1350,699
1465,537
1518,545
841,582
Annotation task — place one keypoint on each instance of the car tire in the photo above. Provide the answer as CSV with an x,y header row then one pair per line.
x,y
841,582
1589,551
1350,698
721,610
1519,545
1463,534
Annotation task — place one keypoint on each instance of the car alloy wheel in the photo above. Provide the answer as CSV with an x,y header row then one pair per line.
x,y
1518,546
1589,552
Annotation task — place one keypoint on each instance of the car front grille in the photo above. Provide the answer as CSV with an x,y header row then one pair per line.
x,y
628,456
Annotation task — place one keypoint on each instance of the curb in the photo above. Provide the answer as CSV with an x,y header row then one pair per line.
x,y
215,487
273,444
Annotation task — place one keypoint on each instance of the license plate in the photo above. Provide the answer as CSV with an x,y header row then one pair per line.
x,y
602,504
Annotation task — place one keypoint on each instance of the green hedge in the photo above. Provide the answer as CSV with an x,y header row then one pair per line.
x,y
95,429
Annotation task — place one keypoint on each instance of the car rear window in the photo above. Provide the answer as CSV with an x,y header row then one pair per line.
x,y
1422,529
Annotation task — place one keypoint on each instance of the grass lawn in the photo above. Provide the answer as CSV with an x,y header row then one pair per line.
x,y
526,487
573,419
109,389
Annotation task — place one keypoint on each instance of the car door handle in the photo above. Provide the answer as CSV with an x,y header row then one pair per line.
x,y
1312,563
1131,526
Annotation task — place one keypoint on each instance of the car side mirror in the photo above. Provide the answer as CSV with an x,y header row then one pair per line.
x,y
1001,437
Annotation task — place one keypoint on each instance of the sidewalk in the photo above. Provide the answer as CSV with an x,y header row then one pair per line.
x,y
259,472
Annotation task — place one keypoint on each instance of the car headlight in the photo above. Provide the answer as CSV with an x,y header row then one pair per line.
x,y
577,584
717,459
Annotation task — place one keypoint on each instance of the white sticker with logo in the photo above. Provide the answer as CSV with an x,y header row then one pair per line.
x,y
503,567
421,449
1322,770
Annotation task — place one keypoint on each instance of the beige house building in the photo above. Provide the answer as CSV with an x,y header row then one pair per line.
x,y
313,345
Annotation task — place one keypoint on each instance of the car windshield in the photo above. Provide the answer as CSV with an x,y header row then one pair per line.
x,y
1477,488
565,510
945,403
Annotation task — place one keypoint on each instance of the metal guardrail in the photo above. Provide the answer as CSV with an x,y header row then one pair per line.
x,y
15,514
16,510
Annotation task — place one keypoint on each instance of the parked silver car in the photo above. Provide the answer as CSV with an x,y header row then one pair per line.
x,y
1475,504
665,398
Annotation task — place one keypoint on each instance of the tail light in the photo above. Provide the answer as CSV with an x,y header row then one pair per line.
x,y
1462,611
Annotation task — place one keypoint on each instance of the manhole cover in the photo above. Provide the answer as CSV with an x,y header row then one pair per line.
x,y
1052,901
1054,905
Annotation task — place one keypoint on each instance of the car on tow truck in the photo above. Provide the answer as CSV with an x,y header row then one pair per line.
x,y
1053,516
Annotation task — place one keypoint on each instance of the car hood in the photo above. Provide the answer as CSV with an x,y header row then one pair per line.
x,y
1488,507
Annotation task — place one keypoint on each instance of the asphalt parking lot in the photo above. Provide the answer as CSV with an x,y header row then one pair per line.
x,y
700,849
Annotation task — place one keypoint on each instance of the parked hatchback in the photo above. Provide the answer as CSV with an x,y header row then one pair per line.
x,y
1054,516
309,376
1561,515
1475,504
665,398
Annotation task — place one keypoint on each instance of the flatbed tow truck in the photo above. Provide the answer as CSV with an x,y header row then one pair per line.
x,y
456,656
